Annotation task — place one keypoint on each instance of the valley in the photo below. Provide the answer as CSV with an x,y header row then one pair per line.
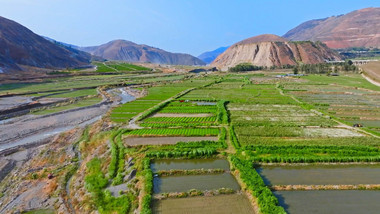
x,y
96,118
197,139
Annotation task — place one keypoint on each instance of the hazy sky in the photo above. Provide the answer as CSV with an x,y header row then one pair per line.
x,y
187,26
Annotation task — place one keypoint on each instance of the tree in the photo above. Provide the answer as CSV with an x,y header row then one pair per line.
x,y
295,70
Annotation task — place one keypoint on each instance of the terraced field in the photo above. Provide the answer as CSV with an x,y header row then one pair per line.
x,y
235,143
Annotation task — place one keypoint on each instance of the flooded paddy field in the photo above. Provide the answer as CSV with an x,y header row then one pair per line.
x,y
137,141
330,201
320,174
220,204
198,182
178,164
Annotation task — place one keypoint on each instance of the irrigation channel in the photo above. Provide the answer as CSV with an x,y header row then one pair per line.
x,y
234,202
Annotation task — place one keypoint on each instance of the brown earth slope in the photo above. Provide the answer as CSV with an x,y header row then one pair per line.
x,y
21,49
360,28
131,52
271,50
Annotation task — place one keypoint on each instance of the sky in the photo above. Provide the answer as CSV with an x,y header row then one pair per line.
x,y
182,26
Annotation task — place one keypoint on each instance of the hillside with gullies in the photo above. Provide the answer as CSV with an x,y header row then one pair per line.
x,y
272,50
23,50
131,52
360,28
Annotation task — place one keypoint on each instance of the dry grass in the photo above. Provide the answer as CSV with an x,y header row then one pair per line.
x,y
372,70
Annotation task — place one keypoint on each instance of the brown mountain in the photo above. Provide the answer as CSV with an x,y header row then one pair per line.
x,y
23,50
131,52
360,28
271,50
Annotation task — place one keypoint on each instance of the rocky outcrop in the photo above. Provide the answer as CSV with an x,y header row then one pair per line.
x,y
359,28
131,52
271,50
23,50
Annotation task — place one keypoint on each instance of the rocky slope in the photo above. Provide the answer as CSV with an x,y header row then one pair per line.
x,y
360,28
210,56
271,50
131,52
23,50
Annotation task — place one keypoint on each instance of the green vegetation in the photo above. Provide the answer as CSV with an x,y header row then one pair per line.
x,y
148,187
118,67
95,182
267,202
175,132
245,67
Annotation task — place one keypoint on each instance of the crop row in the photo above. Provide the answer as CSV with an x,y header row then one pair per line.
x,y
176,132
310,154
179,119
188,124
186,109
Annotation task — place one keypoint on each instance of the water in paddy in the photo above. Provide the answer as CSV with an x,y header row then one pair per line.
x,y
199,182
330,201
320,174
190,164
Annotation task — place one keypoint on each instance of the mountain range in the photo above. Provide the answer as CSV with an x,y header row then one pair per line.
x,y
23,50
128,51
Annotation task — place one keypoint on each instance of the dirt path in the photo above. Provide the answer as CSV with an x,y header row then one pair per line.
x,y
109,67
370,80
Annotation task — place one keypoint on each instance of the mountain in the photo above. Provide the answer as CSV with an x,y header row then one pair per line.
x,y
272,50
209,56
360,28
131,52
60,43
23,50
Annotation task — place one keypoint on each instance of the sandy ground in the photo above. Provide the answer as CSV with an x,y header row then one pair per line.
x,y
12,102
181,115
34,128
136,141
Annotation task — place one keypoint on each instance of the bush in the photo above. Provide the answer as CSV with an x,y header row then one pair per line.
x,y
245,67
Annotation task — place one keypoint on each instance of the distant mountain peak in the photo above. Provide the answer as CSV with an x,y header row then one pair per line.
x,y
125,50
210,56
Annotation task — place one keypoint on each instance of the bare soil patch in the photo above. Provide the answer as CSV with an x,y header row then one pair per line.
x,y
235,203
137,141
331,132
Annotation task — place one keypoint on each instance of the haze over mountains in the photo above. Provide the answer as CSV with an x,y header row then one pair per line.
x,y
272,50
131,52
360,28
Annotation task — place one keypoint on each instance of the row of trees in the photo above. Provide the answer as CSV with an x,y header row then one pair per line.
x,y
321,68
325,68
